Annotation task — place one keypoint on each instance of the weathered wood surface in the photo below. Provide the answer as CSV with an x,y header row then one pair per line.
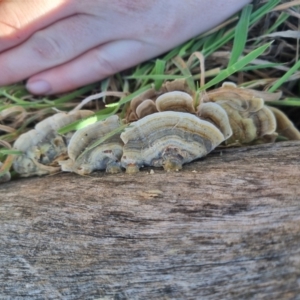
x,y
229,230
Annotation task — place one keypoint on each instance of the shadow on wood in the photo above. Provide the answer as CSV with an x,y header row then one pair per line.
x,y
226,227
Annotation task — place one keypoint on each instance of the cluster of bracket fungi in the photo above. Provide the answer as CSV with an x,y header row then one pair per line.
x,y
166,128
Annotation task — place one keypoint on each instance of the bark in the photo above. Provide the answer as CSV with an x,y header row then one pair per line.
x,y
225,227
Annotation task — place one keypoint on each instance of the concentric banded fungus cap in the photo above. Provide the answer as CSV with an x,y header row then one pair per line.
x,y
131,115
137,107
216,115
167,139
146,108
284,126
177,85
175,101
61,119
244,106
243,129
229,90
106,155
43,146
249,126
264,121
34,146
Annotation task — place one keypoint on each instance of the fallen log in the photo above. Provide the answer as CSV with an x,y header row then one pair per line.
x,y
225,227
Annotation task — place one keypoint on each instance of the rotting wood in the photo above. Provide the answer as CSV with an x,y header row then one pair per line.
x,y
225,227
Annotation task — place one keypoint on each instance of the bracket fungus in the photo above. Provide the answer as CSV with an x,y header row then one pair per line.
x,y
168,139
140,106
166,128
168,101
230,90
216,115
284,126
105,156
137,101
145,108
42,147
248,126
175,101
250,120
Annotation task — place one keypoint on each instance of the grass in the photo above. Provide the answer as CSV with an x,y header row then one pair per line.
x,y
259,48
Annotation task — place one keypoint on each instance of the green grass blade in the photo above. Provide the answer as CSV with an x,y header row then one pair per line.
x,y
19,101
74,95
263,66
159,70
263,10
212,38
157,77
198,45
255,16
134,94
285,77
295,102
236,67
281,19
100,115
184,48
213,47
146,69
241,33
142,70
10,151
172,53
181,65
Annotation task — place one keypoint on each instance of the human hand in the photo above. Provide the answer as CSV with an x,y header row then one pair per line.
x,y
64,44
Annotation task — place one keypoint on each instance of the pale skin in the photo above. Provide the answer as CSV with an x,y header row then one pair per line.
x,y
60,45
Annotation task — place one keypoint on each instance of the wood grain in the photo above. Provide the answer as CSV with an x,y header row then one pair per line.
x,y
225,227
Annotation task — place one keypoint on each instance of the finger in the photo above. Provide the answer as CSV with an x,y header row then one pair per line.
x,y
19,18
92,66
47,48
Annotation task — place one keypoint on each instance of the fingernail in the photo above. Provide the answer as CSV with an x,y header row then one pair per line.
x,y
38,87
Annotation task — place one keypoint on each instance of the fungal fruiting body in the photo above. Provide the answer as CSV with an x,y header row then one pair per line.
x,y
250,120
248,125
166,128
284,126
42,146
173,134
216,115
167,139
105,156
